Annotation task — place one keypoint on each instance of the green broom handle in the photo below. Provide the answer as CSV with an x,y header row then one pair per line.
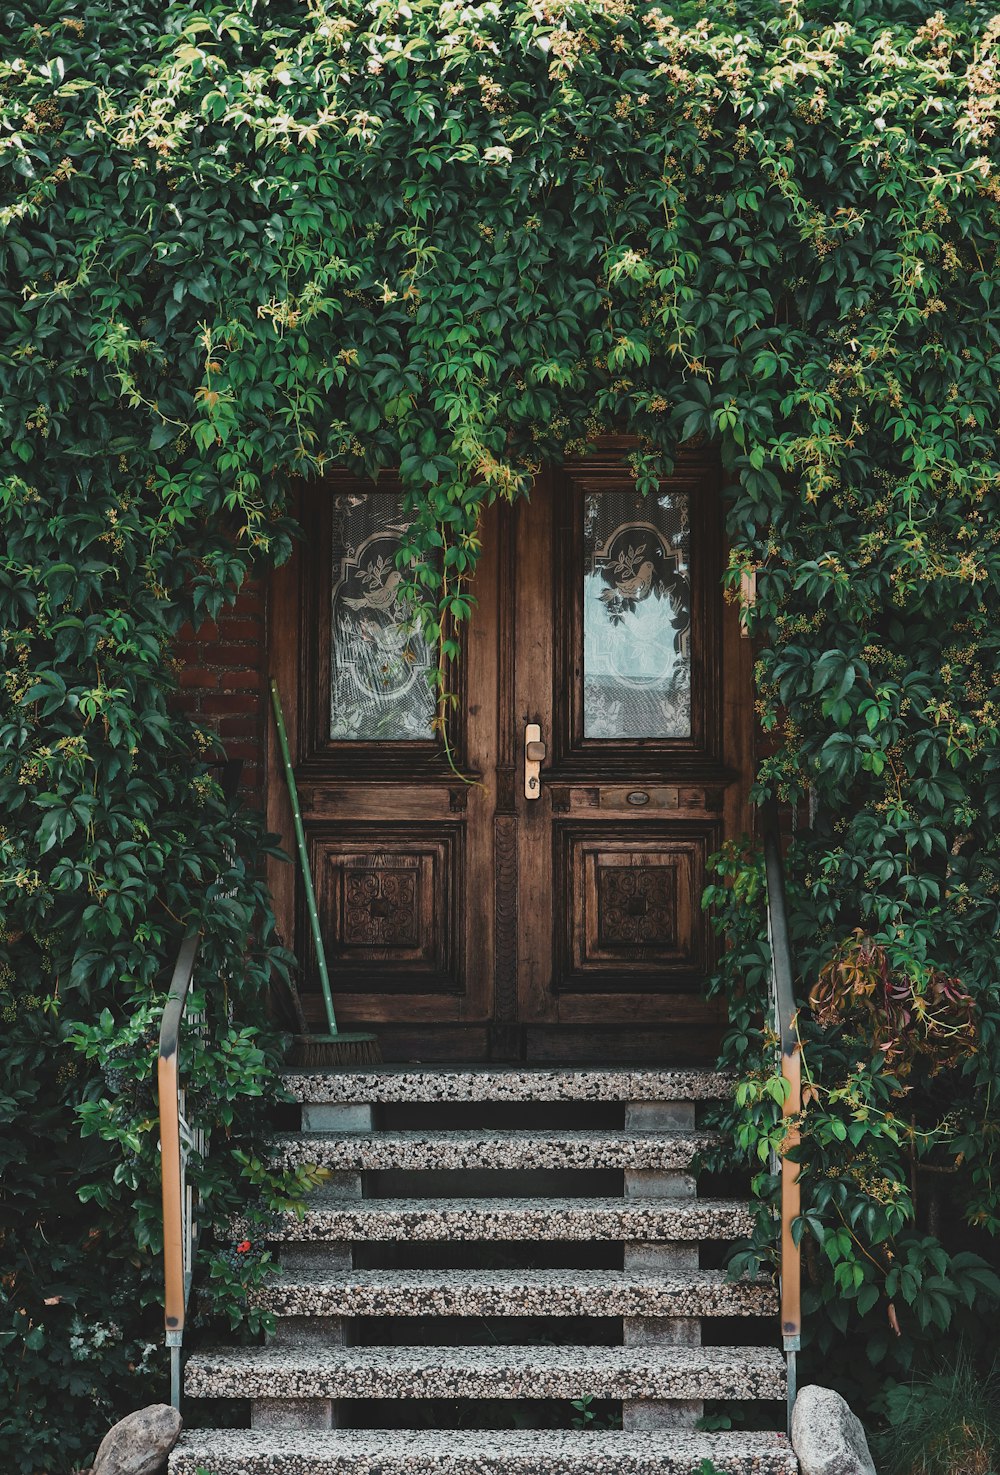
x,y
300,841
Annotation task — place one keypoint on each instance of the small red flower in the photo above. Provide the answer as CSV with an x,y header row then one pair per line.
x,y
243,1247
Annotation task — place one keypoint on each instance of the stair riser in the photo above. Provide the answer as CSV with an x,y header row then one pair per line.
x,y
492,1301
455,1152
508,1085
669,1220
659,1414
183,1464
551,1452
528,1381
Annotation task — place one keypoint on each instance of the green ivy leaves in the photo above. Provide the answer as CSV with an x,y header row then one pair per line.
x,y
237,247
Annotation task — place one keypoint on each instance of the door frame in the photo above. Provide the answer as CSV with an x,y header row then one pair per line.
x,y
710,785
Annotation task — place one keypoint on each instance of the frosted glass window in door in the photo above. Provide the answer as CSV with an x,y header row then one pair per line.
x,y
636,616
379,658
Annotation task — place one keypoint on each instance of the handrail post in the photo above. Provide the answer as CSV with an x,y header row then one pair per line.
x,y
791,1071
179,1229
791,1205
175,1228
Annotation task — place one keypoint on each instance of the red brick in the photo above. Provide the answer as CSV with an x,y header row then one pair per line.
x,y
205,634
233,628
240,727
235,702
241,680
231,655
237,749
198,676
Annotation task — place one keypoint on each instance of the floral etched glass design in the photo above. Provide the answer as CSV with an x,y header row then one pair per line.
x,y
379,658
636,616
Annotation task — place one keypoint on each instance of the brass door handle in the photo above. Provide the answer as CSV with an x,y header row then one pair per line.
x,y
534,757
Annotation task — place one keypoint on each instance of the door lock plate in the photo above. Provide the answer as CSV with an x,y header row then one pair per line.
x,y
534,756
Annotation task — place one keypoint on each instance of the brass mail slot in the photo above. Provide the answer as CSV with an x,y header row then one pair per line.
x,y
660,796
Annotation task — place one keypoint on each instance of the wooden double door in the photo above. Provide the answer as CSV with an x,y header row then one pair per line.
x,y
542,902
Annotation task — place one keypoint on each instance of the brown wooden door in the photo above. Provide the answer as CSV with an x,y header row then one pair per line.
x,y
633,668
461,918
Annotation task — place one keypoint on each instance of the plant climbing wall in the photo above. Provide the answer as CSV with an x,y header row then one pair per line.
x,y
239,243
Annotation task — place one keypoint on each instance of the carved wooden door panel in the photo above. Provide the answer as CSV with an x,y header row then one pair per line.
x,y
633,668
462,918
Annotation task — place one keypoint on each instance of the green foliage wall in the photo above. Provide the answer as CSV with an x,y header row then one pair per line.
x,y
240,243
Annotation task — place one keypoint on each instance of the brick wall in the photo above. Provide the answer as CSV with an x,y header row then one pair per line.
x,y
223,684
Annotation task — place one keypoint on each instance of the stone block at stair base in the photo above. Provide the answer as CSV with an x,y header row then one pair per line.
x,y
337,1117
659,1116
309,1331
324,1255
661,1413
662,1331
293,1413
827,1437
652,1183
659,1255
337,1188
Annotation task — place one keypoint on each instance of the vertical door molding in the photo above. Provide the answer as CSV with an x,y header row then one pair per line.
x,y
505,821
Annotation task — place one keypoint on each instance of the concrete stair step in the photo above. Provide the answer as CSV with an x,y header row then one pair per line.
x,y
521,1151
487,1372
516,1293
504,1083
626,1219
474,1452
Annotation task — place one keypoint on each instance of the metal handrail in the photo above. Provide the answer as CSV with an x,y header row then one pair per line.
x,y
783,994
181,1227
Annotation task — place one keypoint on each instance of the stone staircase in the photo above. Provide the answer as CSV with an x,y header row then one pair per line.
x,y
450,1220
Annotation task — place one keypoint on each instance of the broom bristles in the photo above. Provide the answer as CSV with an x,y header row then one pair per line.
x,y
332,1052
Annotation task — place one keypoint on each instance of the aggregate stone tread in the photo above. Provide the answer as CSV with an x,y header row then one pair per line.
x,y
491,1083
516,1293
487,1372
519,1150
478,1452
626,1219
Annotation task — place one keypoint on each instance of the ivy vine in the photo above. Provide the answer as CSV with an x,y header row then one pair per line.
x,y
240,243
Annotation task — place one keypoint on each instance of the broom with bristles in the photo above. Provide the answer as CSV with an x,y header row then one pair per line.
x,y
318,1052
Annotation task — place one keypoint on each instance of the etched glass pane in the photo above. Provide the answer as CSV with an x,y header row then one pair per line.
x,y
379,658
636,616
